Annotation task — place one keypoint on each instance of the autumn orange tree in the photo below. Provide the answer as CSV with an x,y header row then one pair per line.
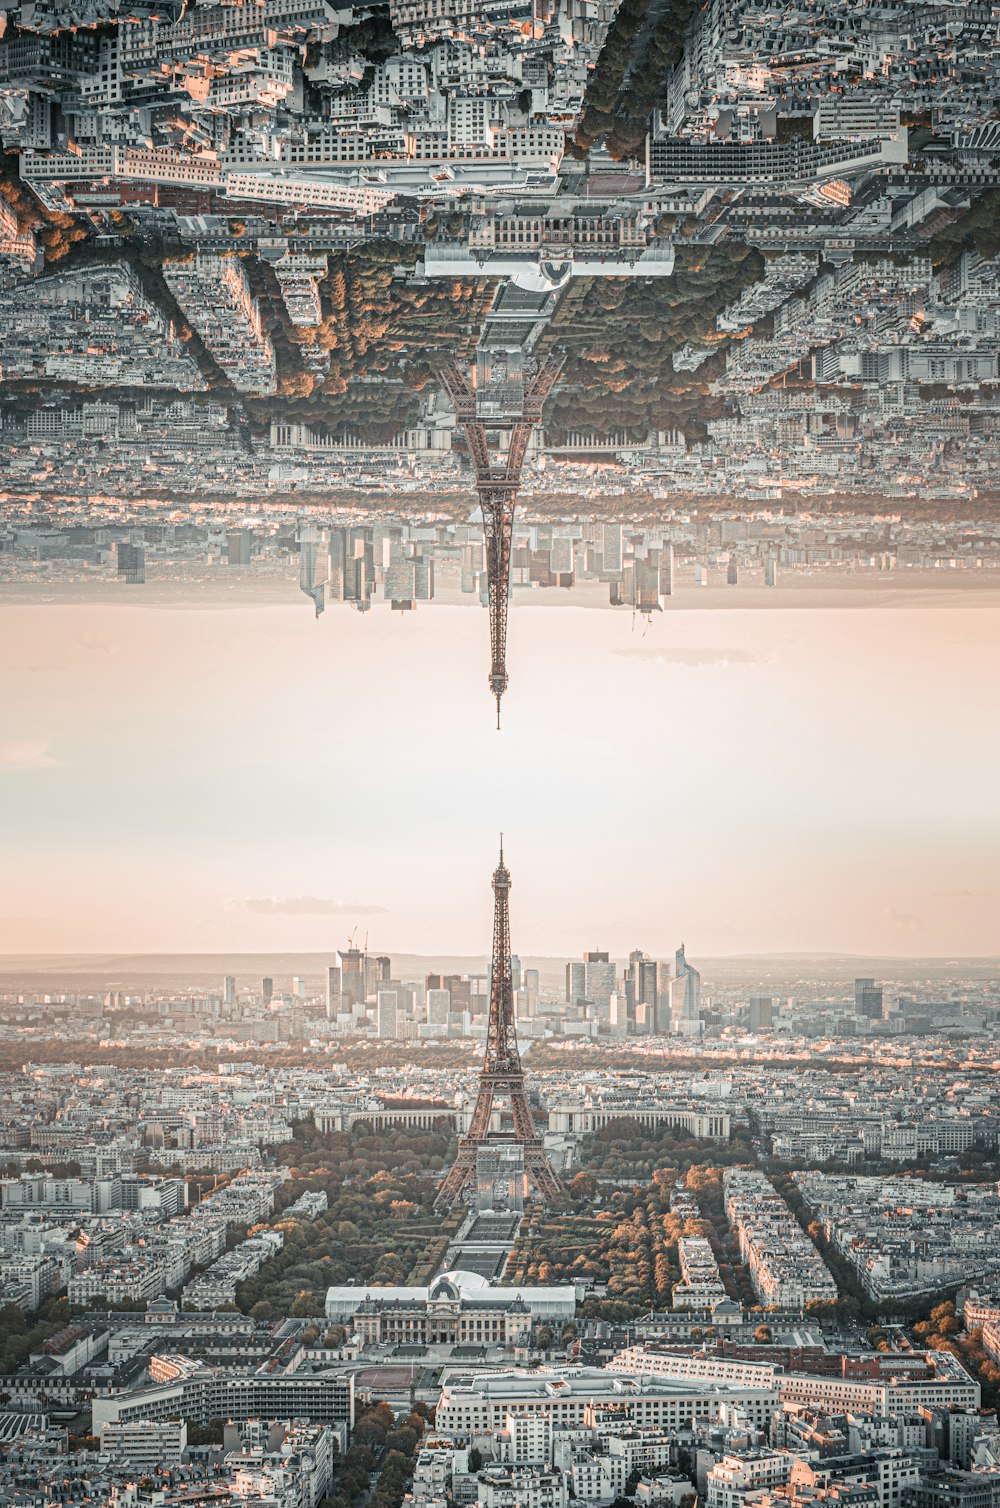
x,y
620,335
942,1331
631,1246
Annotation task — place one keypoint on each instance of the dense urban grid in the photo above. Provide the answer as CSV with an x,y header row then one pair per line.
x,y
245,239
769,1274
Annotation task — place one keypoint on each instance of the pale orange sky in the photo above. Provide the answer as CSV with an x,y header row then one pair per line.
x,y
744,780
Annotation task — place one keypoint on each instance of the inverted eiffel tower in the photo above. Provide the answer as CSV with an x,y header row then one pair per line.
x,y
502,1074
498,477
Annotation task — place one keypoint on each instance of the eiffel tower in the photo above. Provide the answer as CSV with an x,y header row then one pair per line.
x,y
502,1074
497,480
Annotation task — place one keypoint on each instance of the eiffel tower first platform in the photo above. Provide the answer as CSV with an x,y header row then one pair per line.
x,y
511,405
502,1076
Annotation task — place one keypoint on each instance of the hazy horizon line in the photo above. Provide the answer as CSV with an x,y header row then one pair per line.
x,y
383,950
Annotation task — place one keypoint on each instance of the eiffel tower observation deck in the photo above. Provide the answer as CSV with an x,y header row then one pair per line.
x,y
502,1076
500,398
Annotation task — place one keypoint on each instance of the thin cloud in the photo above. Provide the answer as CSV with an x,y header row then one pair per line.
x,y
961,895
905,921
309,905
96,643
27,754
681,655
19,666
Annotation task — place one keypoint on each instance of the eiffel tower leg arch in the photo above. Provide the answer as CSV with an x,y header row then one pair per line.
x,y
502,1076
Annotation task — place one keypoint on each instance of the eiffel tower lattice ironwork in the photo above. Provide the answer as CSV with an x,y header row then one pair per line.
x,y
502,1074
497,480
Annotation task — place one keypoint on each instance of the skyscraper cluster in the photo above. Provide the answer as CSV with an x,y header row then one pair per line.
x,y
650,997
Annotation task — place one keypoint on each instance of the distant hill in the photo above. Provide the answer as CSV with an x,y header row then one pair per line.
x,y
205,971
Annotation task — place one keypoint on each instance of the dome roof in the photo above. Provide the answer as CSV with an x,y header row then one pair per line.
x,y
542,277
451,1285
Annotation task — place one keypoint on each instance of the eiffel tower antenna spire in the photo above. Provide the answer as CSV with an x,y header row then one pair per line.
x,y
502,1074
497,481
